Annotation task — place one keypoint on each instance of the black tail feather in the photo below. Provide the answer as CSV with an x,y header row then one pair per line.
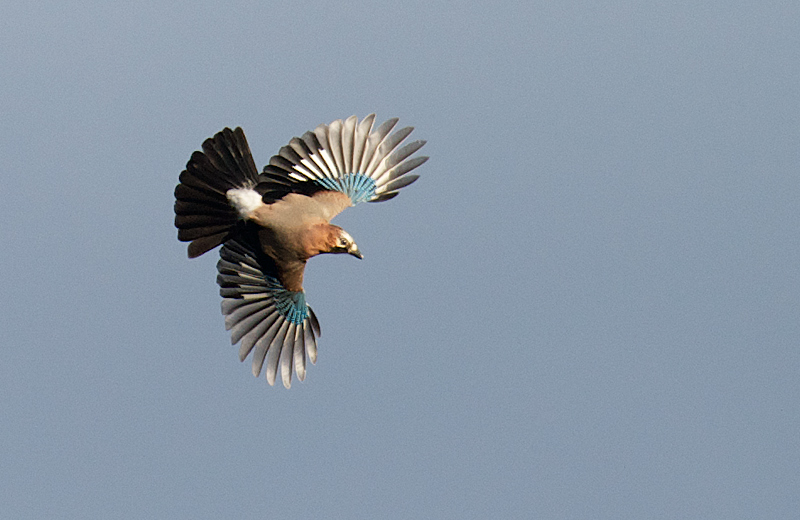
x,y
203,214
201,245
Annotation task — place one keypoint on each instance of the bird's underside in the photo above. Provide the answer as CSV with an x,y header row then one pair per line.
x,y
270,223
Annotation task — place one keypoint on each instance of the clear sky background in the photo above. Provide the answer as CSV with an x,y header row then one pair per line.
x,y
587,307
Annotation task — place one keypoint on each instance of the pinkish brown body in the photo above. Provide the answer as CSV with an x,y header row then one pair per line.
x,y
298,227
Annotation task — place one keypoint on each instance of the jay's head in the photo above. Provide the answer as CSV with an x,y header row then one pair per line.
x,y
342,242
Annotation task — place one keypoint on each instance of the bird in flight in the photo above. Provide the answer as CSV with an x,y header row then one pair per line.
x,y
270,224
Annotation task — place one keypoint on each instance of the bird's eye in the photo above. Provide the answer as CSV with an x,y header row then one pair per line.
x,y
342,242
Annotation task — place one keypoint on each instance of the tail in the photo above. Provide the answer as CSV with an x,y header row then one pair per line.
x,y
203,215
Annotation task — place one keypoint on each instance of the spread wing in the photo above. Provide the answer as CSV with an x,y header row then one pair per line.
x,y
344,156
274,323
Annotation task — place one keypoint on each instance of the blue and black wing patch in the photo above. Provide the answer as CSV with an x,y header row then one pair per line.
x,y
274,323
347,156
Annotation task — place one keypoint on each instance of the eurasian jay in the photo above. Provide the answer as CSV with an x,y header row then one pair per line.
x,y
270,224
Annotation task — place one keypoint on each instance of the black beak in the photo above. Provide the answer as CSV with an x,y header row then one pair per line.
x,y
355,252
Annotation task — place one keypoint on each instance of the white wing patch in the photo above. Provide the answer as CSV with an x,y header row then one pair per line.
x,y
244,200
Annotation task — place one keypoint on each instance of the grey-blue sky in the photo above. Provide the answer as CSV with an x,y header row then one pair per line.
x,y
586,308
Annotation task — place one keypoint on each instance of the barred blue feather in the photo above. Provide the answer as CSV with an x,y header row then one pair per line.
x,y
290,304
357,186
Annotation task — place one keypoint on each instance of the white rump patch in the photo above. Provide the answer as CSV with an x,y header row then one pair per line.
x,y
244,200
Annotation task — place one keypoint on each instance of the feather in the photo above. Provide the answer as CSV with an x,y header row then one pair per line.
x,y
287,354
400,170
197,220
290,156
397,157
202,245
322,169
399,183
245,325
321,133
314,322
188,208
384,196
201,173
279,165
306,166
264,344
360,141
373,141
385,148
335,142
241,267
245,311
251,338
274,352
189,234
309,341
300,351
231,304
195,200
348,135
240,291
